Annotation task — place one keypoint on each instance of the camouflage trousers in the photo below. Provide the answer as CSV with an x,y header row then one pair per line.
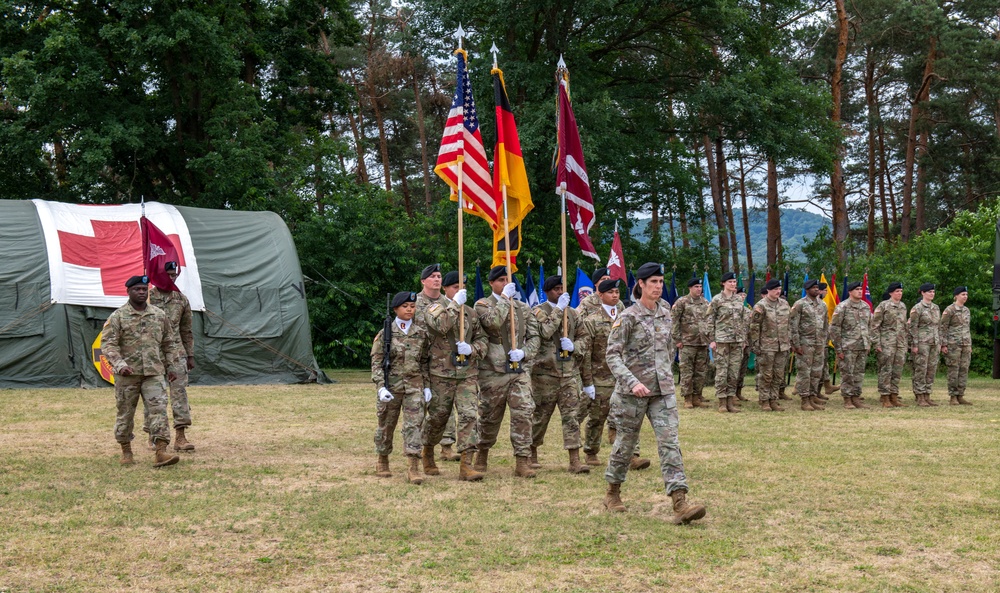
x,y
662,413
728,359
693,368
852,367
178,401
957,359
925,365
410,401
153,391
497,392
744,369
595,413
448,436
549,392
771,373
890,368
449,396
809,370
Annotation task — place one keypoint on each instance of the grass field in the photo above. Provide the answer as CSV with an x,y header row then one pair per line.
x,y
281,495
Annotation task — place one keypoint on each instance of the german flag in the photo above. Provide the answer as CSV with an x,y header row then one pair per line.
x,y
508,171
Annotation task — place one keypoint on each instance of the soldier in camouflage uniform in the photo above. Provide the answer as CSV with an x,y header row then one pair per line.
x,y
498,388
850,333
555,381
407,389
889,340
808,328
925,344
690,336
828,387
726,321
592,302
598,382
771,342
140,345
454,387
956,345
640,354
745,363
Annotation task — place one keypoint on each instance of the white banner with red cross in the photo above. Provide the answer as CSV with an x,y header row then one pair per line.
x,y
93,250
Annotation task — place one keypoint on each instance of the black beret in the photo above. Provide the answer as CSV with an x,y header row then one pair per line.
x,y
598,274
430,270
694,281
810,283
136,280
403,298
852,285
763,289
772,284
959,290
728,276
649,269
551,282
450,278
926,287
170,265
822,285
740,290
893,287
497,272
609,285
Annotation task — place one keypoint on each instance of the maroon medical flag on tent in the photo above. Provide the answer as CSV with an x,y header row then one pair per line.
x,y
616,269
571,174
157,250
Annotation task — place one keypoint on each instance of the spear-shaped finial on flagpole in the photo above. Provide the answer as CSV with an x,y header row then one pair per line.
x,y
459,34
561,64
494,50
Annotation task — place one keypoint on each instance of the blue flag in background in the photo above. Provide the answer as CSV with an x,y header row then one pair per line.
x,y
541,281
529,289
784,286
630,281
520,294
843,295
707,293
752,291
479,284
804,285
582,281
670,295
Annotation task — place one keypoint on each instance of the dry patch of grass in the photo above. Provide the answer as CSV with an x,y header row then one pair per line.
x,y
281,495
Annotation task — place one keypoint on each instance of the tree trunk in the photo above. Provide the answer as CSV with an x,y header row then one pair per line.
x,y
720,212
922,94
872,171
682,216
357,130
746,214
887,179
773,215
920,221
720,163
702,212
383,139
838,197
423,141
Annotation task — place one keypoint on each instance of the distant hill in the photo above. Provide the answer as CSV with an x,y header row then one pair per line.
x,y
797,228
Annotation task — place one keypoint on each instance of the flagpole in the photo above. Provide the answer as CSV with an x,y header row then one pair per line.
x,y
565,321
460,359
510,276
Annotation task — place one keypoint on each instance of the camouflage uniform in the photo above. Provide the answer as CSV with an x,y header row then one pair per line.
x,y
409,374
727,326
889,334
453,387
586,311
770,340
178,310
849,332
556,383
448,436
690,330
640,351
591,304
956,335
592,350
808,328
923,328
499,389
145,341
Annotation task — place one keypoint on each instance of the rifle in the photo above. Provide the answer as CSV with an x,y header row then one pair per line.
x,y
387,341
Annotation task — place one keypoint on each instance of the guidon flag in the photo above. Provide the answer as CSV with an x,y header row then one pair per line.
x,y
571,173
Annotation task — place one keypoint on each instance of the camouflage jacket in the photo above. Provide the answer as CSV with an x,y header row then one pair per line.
x,y
925,321
550,330
690,321
442,324
143,340
592,349
591,304
640,350
849,327
494,316
955,326
808,323
409,355
178,310
889,325
726,318
769,329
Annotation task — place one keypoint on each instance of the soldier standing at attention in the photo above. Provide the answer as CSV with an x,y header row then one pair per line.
x,y
640,355
592,302
140,346
925,345
889,340
745,363
956,345
455,387
499,388
849,331
691,338
808,327
403,387
828,386
727,326
770,341
554,381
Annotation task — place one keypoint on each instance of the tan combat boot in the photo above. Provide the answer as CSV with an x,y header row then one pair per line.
x,y
613,500
430,468
592,459
612,435
930,402
687,402
698,402
817,404
830,387
127,454
953,401
162,458
739,395
821,397
522,468
482,460
886,403
575,467
181,443
722,406
466,473
922,401
776,406
781,394
382,467
963,401
448,454
638,463
413,474
894,400
685,512
807,404
848,404
533,460
858,403
731,405
765,405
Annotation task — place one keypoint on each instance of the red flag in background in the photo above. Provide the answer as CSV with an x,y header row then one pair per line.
x,y
616,269
867,295
572,173
157,250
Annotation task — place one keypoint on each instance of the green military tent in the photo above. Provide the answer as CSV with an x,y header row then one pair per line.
x,y
61,271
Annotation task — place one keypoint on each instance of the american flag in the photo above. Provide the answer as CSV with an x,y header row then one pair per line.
x,y
462,141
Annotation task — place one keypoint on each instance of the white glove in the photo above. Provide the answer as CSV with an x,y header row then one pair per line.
x,y
590,392
384,396
566,344
463,348
427,394
461,296
516,355
563,301
509,290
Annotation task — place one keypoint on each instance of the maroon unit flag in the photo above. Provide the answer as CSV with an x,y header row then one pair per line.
x,y
616,267
571,174
157,250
